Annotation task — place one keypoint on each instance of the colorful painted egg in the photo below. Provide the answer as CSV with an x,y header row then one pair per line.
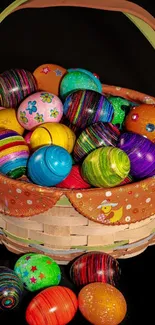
x,y
102,304
85,107
74,179
39,108
52,306
27,137
141,120
129,179
11,289
53,133
49,165
14,154
37,271
48,77
141,152
121,109
15,85
106,167
8,120
95,267
99,134
77,79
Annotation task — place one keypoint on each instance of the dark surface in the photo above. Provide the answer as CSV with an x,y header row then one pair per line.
x,y
110,45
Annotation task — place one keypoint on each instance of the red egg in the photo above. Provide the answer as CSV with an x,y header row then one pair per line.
x,y
52,306
74,179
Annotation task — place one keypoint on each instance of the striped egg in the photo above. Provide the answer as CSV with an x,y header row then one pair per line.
x,y
14,154
85,107
11,289
55,305
106,167
94,136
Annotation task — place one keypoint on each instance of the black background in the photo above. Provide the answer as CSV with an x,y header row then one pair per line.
x,y
110,45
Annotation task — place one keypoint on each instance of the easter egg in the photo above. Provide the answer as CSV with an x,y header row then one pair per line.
x,y
11,289
53,133
37,271
85,107
102,304
14,154
39,108
48,77
8,120
27,137
77,79
15,85
121,109
106,167
141,152
49,165
129,179
99,134
52,306
95,267
74,179
141,120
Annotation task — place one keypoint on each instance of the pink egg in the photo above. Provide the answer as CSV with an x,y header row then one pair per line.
x,y
39,108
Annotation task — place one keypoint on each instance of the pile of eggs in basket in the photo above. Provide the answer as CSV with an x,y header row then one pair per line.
x,y
59,129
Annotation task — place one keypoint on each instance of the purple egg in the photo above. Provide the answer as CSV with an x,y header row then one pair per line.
x,y
141,152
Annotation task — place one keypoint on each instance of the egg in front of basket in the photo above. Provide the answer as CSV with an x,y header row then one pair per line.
x,y
14,154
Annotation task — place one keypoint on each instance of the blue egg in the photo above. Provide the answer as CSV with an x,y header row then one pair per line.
x,y
49,165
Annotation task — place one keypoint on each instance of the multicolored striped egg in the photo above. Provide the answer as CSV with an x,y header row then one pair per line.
x,y
106,167
39,108
15,85
53,133
97,135
95,267
85,107
14,154
11,289
55,305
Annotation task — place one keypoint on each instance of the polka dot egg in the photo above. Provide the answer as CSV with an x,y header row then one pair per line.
x,y
39,108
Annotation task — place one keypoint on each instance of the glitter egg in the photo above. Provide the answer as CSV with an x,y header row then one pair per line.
x,y
55,305
37,271
85,107
121,109
141,152
15,85
8,120
53,133
14,154
102,304
141,120
77,79
99,134
11,289
48,77
106,167
95,267
39,108
49,165
74,179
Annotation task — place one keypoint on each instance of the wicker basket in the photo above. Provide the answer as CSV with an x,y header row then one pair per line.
x,y
65,223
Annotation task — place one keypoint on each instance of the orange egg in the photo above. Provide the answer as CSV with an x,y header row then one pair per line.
x,y
102,304
141,120
48,77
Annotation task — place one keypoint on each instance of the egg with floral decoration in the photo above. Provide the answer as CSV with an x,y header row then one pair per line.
x,y
141,120
53,133
141,152
121,107
14,154
100,134
77,79
85,107
39,108
74,179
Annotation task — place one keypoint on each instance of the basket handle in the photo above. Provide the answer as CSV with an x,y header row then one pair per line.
x,y
139,16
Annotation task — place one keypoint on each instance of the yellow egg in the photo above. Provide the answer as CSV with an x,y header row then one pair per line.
x,y
53,133
8,120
